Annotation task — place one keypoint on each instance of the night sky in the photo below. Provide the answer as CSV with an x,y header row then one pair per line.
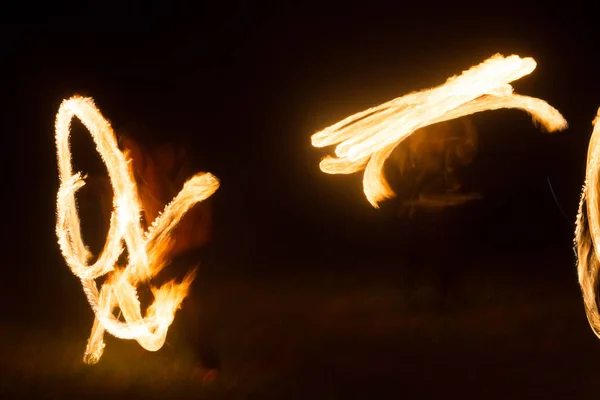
x,y
247,83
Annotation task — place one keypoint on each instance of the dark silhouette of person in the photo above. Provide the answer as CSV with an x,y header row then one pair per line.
x,y
433,207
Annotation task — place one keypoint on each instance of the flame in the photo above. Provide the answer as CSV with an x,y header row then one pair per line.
x,y
366,139
146,249
587,231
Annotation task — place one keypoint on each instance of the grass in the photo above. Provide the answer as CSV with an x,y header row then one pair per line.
x,y
335,337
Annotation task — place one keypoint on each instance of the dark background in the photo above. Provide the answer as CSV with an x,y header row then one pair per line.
x,y
247,83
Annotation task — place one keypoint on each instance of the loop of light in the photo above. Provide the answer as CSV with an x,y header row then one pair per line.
x,y
366,139
146,249
587,231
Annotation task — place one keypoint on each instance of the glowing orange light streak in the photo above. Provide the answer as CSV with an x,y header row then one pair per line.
x,y
587,231
146,249
366,139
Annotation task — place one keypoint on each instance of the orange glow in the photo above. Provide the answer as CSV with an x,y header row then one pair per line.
x,y
146,249
366,139
587,231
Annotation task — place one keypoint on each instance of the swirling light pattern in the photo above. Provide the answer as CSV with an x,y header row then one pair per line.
x,y
366,139
587,231
146,249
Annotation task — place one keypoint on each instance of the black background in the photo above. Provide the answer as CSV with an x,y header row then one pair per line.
x,y
247,83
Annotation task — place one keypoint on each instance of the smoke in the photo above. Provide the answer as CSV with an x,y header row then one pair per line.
x,y
425,167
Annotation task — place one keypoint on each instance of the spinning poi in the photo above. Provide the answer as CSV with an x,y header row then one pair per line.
x,y
366,139
146,250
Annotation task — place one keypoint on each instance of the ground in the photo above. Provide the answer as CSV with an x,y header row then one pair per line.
x,y
355,335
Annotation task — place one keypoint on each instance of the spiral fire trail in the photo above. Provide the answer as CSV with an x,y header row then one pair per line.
x,y
146,249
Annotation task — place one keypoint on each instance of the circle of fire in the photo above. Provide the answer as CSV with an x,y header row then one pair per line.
x,y
366,139
146,249
587,231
